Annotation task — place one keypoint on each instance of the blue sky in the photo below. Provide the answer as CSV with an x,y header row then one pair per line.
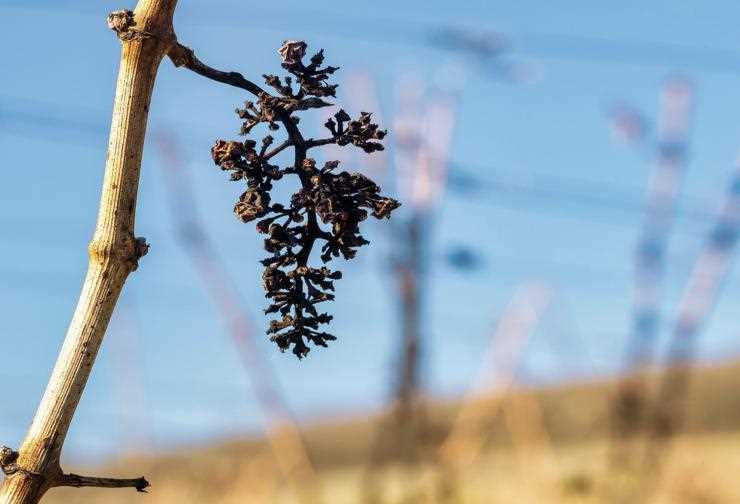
x,y
56,92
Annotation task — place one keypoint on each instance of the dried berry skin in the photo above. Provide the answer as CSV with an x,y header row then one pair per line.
x,y
324,213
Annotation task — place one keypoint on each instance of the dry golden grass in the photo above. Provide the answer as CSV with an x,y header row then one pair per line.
x,y
567,465
703,469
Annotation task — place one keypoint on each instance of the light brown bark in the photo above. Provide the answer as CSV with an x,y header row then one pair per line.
x,y
114,252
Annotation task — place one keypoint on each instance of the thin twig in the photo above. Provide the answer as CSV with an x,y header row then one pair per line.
x,y
185,57
311,143
77,481
278,149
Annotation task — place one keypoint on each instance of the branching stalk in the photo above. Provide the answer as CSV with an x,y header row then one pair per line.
x,y
328,197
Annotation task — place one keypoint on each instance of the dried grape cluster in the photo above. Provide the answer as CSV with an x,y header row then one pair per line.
x,y
328,208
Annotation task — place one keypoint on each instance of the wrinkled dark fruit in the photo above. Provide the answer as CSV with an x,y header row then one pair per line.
x,y
327,209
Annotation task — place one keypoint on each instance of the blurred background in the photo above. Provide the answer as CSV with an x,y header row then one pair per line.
x,y
550,317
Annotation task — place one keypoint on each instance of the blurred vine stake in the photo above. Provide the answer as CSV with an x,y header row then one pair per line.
x,y
340,201
146,36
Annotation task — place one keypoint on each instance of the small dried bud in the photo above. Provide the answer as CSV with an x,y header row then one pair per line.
x,y
225,154
342,116
360,132
8,458
121,21
141,247
252,204
383,207
331,126
264,225
292,52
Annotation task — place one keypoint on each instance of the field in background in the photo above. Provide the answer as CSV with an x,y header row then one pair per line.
x,y
562,457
